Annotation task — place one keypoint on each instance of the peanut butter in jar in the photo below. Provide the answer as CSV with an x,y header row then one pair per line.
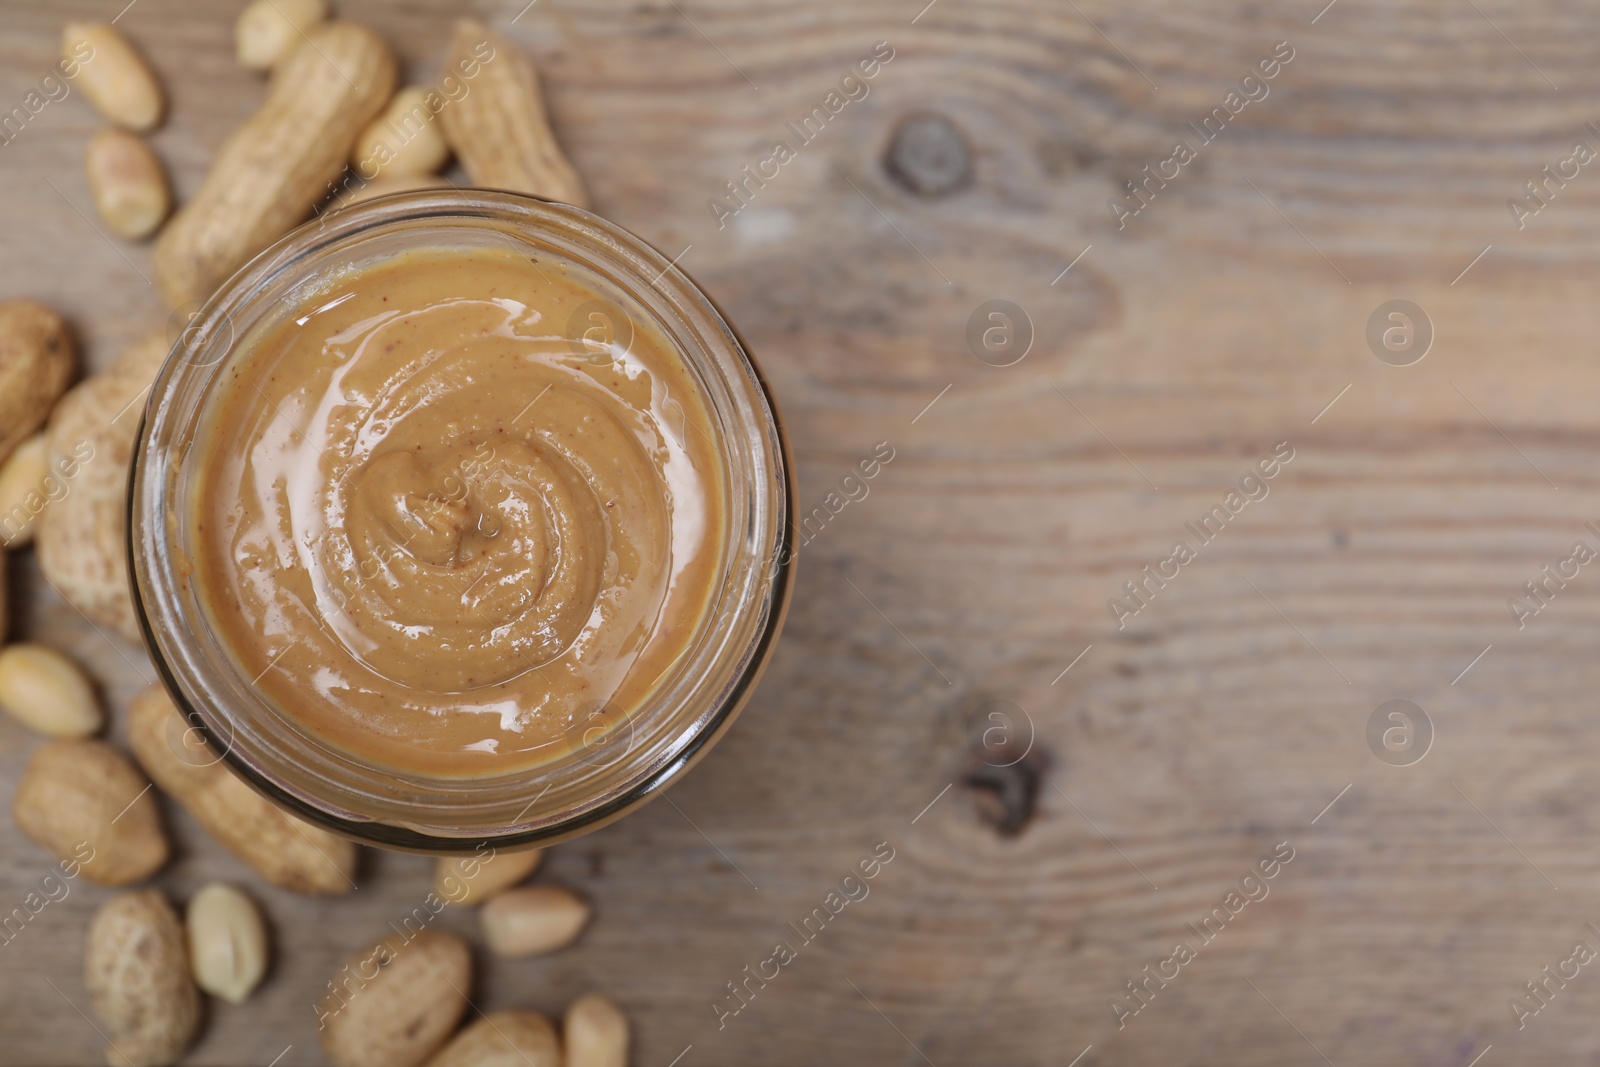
x,y
453,506
460,517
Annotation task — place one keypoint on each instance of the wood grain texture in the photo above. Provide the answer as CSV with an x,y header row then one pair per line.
x,y
1229,712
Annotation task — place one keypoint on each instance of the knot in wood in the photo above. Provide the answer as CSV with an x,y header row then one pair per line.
x,y
928,155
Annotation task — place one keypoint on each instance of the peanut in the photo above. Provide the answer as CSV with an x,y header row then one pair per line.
x,y
22,491
138,977
268,30
128,184
499,129
470,880
267,176
87,801
503,1039
595,1033
47,692
395,1002
227,942
404,141
281,848
37,361
383,186
113,75
82,547
533,920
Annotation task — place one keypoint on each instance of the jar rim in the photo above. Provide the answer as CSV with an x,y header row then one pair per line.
x,y
587,787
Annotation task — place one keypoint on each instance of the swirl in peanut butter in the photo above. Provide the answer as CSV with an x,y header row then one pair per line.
x,y
442,530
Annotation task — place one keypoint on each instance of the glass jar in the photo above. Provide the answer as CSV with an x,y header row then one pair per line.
x,y
624,755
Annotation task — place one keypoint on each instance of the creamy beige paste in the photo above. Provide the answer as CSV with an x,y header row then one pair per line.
x,y
454,505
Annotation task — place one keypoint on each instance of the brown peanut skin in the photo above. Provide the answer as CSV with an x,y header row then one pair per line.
x,y
77,796
284,850
81,537
499,130
137,970
281,163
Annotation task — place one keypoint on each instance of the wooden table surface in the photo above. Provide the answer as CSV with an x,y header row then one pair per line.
x,y
1228,715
